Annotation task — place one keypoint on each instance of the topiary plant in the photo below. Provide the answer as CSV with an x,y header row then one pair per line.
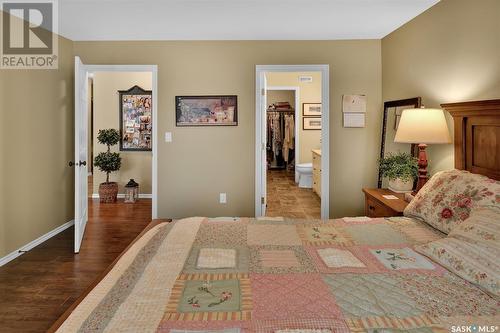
x,y
400,165
107,161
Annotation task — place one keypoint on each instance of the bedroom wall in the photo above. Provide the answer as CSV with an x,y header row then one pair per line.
x,y
36,108
450,53
135,164
309,92
202,162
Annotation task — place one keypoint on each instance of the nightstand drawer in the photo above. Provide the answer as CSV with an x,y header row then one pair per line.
x,y
373,208
380,202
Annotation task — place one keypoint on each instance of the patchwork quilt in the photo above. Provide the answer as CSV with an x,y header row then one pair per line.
x,y
257,275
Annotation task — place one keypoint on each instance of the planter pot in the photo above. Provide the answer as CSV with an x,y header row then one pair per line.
x,y
400,186
108,192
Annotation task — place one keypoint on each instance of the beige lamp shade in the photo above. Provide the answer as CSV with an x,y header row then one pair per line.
x,y
422,126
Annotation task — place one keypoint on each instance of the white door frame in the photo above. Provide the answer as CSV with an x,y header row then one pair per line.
x,y
297,115
153,69
260,131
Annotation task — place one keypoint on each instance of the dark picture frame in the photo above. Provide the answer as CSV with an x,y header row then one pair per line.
x,y
206,110
396,106
306,127
136,119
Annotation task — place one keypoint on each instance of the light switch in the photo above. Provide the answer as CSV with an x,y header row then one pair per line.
x,y
168,136
222,198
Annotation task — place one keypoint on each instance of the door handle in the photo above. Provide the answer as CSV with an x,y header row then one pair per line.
x,y
81,163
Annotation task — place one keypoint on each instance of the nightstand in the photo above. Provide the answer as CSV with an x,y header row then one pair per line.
x,y
378,206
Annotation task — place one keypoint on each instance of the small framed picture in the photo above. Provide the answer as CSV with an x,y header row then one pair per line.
x,y
311,109
311,123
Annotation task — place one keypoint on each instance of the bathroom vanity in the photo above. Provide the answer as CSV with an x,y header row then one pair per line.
x,y
316,162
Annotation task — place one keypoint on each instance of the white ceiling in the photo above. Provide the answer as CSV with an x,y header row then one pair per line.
x,y
234,19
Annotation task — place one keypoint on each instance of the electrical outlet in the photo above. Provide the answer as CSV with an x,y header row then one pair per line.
x,y
222,198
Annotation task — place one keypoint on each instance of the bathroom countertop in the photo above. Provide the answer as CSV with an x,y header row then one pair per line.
x,y
317,151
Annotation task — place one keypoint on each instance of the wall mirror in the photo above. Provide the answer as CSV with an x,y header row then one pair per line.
x,y
390,122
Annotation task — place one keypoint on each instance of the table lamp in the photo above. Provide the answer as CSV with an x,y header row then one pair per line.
x,y
422,126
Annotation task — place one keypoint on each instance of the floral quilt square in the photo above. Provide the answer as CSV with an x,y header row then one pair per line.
x,y
279,259
205,296
402,259
210,297
216,258
297,296
272,235
324,235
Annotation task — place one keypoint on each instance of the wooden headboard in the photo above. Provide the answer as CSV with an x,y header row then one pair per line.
x,y
477,136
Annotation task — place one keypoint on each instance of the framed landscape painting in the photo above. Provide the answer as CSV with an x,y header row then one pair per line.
x,y
206,110
135,119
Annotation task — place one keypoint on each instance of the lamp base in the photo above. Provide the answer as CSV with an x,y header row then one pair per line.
x,y
422,166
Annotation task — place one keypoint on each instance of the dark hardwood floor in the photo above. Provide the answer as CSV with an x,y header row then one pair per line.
x,y
37,287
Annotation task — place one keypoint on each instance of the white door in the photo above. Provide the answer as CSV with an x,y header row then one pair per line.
x,y
264,144
80,163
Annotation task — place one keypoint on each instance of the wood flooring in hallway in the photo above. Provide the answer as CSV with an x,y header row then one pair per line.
x,y
37,287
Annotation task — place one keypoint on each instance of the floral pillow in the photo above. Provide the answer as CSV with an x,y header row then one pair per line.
x,y
473,262
448,198
482,227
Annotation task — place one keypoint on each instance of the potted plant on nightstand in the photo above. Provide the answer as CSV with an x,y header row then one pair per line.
x,y
401,169
108,162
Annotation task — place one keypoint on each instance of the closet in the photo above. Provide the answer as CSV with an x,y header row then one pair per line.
x,y
280,136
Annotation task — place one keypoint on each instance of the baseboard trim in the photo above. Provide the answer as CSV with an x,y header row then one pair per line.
x,y
23,249
122,195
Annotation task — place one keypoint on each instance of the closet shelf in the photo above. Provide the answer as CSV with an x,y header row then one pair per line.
x,y
281,111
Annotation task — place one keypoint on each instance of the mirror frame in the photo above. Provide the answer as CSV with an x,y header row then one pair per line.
x,y
415,102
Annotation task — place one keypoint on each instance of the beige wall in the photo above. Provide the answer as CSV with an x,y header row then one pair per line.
x,y
202,162
308,93
135,164
450,53
36,144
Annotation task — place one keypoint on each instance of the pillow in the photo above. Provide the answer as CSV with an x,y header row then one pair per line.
x,y
473,262
482,227
448,197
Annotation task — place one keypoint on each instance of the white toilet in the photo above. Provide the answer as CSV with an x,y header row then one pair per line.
x,y
304,172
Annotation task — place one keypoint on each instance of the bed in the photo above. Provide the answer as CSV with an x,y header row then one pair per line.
x,y
353,274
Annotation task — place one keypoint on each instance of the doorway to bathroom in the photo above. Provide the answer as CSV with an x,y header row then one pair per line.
x,y
291,170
